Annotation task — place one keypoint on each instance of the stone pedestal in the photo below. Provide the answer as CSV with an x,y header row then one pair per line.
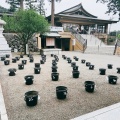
x,y
4,48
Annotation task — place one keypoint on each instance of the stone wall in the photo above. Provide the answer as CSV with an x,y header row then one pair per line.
x,y
15,44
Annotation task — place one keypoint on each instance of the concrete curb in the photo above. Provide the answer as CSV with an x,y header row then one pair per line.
x,y
3,113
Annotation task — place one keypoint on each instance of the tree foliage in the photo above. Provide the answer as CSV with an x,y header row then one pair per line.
x,y
9,27
14,5
3,10
40,7
25,24
37,5
30,4
113,6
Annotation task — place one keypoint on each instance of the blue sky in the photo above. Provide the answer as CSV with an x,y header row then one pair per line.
x,y
91,6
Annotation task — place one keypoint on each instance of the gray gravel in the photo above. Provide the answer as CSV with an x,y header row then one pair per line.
x,y
78,101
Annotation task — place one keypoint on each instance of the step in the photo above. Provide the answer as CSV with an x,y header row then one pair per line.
x,y
92,40
100,50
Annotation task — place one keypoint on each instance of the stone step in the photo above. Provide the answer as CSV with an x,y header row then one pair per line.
x,y
100,50
92,40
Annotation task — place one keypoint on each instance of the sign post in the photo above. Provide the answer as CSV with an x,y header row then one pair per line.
x,y
73,43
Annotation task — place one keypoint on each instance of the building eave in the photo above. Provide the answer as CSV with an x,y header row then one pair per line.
x,y
78,17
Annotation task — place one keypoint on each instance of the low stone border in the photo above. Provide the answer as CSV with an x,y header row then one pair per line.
x,y
3,113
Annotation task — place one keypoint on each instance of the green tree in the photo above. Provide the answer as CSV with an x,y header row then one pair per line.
x,y
9,27
53,10
113,6
25,24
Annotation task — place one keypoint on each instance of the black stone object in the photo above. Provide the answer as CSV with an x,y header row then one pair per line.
x,y
88,64
55,76
29,79
61,92
110,66
118,70
20,66
102,71
73,64
21,56
83,61
37,70
6,62
7,55
89,86
17,58
37,64
112,79
54,68
76,59
31,98
14,60
24,62
75,68
75,74
12,71
2,58
91,67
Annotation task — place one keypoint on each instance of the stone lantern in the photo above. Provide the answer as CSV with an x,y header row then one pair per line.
x,y
4,48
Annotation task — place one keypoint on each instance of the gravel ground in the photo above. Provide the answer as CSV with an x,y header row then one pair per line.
x,y
78,101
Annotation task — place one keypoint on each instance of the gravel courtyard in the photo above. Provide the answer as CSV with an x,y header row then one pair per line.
x,y
78,101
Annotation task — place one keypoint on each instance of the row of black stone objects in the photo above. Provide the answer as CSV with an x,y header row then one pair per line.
x,y
31,97
3,58
75,71
29,78
54,74
37,68
111,78
21,66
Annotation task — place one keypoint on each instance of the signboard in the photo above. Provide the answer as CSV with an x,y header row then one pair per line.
x,y
50,42
73,42
56,29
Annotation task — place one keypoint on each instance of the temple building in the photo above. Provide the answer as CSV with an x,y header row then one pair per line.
x,y
76,21
78,17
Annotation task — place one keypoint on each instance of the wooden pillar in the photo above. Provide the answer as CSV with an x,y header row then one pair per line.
x,y
71,45
61,43
38,41
55,42
44,42
106,28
